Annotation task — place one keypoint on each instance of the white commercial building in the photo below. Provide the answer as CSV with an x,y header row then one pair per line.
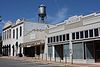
x,y
16,36
76,40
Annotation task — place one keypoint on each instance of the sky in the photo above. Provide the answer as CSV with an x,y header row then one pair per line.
x,y
57,10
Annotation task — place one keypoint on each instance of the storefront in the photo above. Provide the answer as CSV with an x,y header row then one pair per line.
x,y
33,49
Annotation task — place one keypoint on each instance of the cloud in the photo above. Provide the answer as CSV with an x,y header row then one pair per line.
x,y
59,16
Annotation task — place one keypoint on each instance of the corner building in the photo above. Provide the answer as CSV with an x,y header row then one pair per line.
x,y
12,37
24,38
76,40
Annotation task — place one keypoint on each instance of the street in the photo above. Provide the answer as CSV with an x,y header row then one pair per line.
x,y
17,63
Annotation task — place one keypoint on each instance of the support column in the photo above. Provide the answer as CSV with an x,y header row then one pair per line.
x,y
22,51
12,50
71,48
41,51
53,52
46,47
85,50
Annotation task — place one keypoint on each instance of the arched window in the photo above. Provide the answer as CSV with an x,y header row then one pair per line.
x,y
9,33
13,33
20,31
16,33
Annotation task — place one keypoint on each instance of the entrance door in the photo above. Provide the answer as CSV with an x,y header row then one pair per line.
x,y
59,51
97,51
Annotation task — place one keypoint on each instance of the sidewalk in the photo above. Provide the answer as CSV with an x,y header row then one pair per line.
x,y
40,61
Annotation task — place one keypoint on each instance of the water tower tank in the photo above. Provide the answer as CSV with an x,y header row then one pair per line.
x,y
42,12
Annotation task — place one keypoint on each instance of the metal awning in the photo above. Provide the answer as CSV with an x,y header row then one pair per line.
x,y
33,43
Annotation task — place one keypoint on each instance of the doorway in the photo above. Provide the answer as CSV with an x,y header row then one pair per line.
x,y
59,51
97,51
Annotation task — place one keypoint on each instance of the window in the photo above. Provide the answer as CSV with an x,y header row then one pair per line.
x,y
63,37
51,39
20,31
77,35
9,33
86,34
57,38
5,35
2,36
91,33
48,40
81,34
73,35
13,33
54,39
60,37
16,33
96,33
67,36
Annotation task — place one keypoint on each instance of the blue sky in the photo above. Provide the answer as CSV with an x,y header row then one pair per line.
x,y
57,10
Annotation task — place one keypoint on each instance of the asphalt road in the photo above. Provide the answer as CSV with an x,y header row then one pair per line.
x,y
17,63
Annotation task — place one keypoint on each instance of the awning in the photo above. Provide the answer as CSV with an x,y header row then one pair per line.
x,y
33,43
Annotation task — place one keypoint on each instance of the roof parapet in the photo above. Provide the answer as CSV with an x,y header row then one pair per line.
x,y
18,21
73,19
93,14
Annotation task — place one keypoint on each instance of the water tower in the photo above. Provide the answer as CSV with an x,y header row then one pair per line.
x,y
42,13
